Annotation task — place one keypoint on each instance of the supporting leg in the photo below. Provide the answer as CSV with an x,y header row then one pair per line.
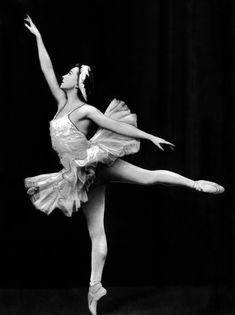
x,y
94,213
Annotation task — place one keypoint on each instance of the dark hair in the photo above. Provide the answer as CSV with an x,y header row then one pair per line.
x,y
88,83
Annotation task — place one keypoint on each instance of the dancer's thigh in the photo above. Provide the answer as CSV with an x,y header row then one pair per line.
x,y
124,172
94,208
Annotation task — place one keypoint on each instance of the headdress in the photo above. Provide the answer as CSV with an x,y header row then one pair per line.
x,y
84,71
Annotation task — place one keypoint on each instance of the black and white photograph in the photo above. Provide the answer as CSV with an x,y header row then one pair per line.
x,y
117,157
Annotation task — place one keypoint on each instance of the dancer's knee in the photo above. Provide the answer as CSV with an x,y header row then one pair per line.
x,y
99,242
96,232
160,177
150,178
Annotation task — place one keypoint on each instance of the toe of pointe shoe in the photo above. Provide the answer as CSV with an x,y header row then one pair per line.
x,y
208,187
221,189
92,304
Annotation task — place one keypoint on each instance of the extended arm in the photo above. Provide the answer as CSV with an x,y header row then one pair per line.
x,y
122,128
45,63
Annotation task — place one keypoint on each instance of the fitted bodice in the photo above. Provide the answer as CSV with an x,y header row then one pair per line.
x,y
67,139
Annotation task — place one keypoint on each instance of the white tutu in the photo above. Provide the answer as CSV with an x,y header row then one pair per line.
x,y
68,188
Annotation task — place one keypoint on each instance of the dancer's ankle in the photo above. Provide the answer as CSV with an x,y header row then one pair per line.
x,y
194,185
94,282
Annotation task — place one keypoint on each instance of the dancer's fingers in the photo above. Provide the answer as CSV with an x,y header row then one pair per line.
x,y
27,18
27,26
167,142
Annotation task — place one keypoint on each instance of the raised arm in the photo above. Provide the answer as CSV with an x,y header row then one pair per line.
x,y
103,121
45,63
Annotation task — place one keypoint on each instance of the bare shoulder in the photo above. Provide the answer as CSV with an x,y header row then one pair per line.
x,y
83,112
90,109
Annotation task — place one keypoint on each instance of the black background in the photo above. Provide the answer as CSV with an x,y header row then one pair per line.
x,y
171,63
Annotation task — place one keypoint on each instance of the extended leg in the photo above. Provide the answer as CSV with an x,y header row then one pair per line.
x,y
94,213
122,171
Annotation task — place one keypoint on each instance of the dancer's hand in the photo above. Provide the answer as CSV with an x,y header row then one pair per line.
x,y
158,141
31,26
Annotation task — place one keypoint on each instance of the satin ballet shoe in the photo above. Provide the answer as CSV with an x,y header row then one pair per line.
x,y
95,292
208,187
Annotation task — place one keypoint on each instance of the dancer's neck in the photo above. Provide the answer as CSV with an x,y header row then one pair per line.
x,y
72,98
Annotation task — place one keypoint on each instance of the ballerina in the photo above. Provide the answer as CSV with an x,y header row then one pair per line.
x,y
88,165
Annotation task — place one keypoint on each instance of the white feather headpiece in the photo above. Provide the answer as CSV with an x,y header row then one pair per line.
x,y
84,71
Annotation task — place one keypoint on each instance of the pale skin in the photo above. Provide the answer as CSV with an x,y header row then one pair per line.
x,y
83,117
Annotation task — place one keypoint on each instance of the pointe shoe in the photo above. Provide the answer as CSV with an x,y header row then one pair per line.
x,y
96,292
208,187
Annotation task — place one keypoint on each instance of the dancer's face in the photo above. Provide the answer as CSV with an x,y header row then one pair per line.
x,y
70,79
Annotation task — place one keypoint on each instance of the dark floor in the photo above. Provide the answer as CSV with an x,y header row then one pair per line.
x,y
164,300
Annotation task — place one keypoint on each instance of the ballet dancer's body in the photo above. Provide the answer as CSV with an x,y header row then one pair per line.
x,y
83,116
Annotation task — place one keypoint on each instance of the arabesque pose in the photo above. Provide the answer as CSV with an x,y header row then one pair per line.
x,y
88,165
